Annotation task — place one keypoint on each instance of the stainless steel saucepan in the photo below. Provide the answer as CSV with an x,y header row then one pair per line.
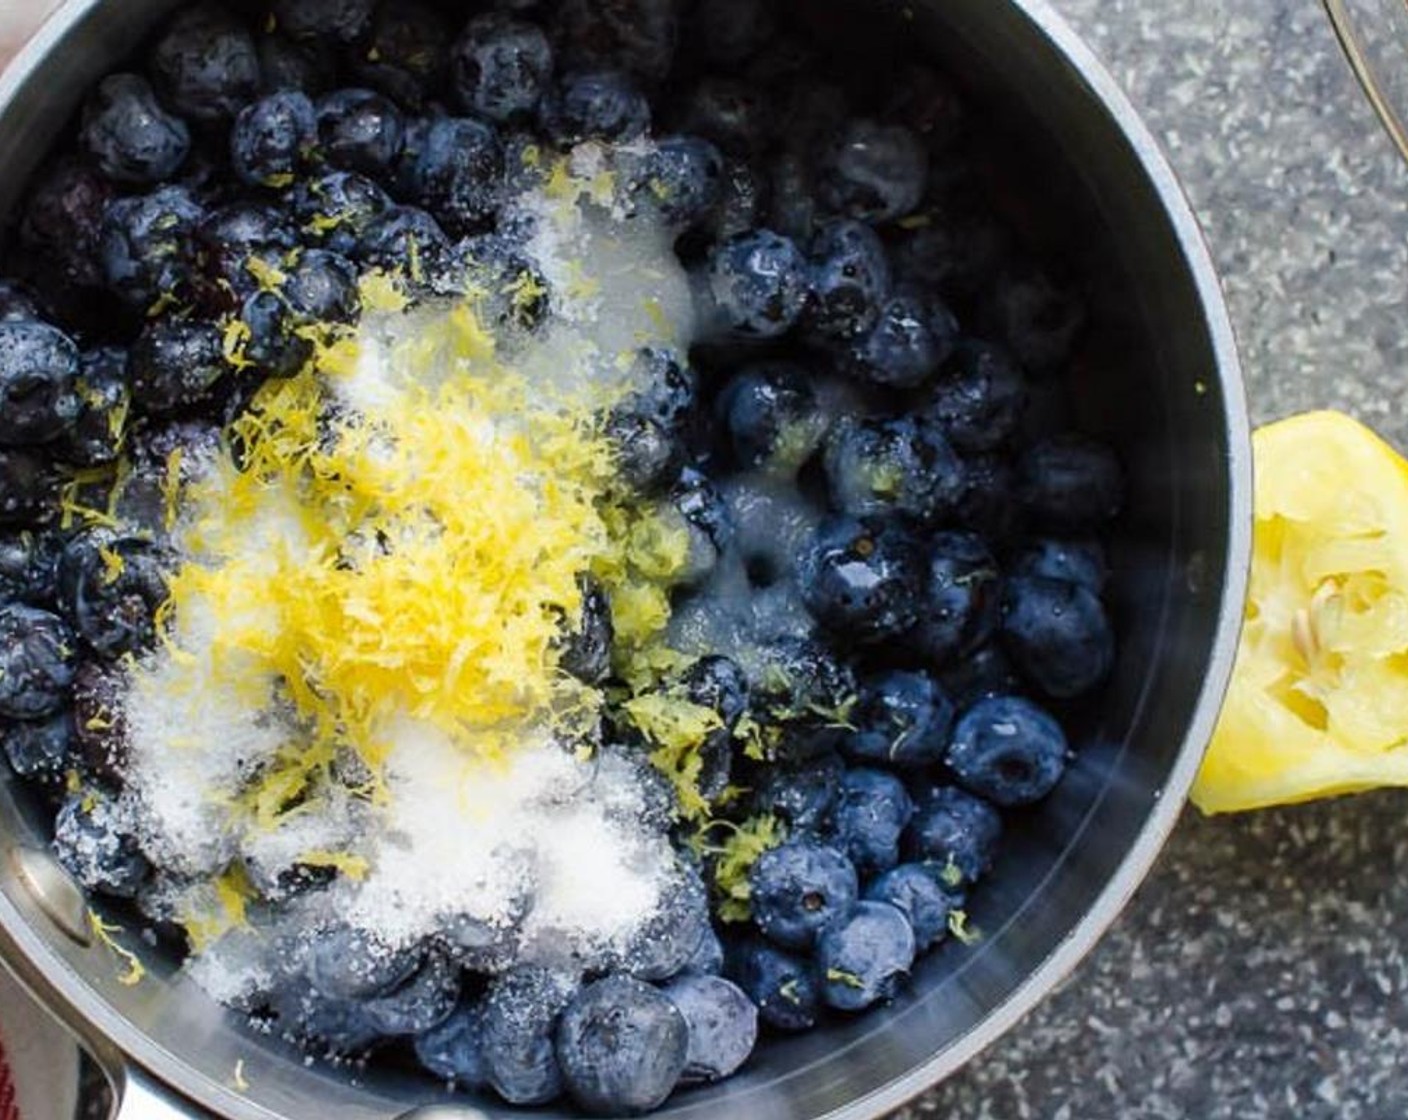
x,y
1161,381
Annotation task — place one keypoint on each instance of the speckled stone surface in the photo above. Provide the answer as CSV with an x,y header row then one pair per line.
x,y
1260,971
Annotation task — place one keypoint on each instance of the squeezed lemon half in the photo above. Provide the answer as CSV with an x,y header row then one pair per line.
x,y
1318,703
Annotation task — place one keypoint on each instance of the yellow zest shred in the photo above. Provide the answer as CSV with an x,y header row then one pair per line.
x,y
735,857
106,933
418,561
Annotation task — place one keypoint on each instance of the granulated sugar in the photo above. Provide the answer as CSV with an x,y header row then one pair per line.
x,y
506,844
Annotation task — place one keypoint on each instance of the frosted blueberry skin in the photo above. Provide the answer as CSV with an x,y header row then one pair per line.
x,y
131,137
622,1046
1058,634
722,1026
864,958
1008,750
37,656
798,888
782,985
919,892
952,828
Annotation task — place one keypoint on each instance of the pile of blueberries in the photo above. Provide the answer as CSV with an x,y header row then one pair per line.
x,y
225,193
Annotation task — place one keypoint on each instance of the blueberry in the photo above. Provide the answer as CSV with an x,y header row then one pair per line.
x,y
239,247
989,505
1080,561
668,388
706,519
759,285
669,938
912,336
176,363
799,887
42,749
586,651
520,1014
460,173
307,65
36,662
978,397
638,35
1058,635
719,684
505,285
802,796
343,21
1070,482
621,1045
872,811
901,465
771,417
348,962
99,430
501,66
595,105
782,985
422,1002
742,202
1008,750
864,958
903,721
17,303
726,111
206,64
722,1023
359,130
454,1049
956,832
335,209
1039,322
727,32
320,287
110,588
63,221
961,599
405,241
681,178
406,53
28,488
955,251
793,208
29,568
147,251
273,139
860,578
984,672
100,719
803,689
851,279
340,1028
871,171
94,842
38,373
131,137
708,958
918,891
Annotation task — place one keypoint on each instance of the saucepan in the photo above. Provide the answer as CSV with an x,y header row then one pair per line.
x,y
1159,380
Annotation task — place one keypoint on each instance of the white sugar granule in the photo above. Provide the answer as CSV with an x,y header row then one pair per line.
x,y
464,837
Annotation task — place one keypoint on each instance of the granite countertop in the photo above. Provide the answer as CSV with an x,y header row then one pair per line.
x,y
1260,970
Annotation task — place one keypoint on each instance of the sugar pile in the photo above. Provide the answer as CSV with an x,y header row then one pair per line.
x,y
540,854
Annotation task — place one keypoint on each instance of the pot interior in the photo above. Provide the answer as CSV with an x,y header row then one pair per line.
x,y
1156,378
